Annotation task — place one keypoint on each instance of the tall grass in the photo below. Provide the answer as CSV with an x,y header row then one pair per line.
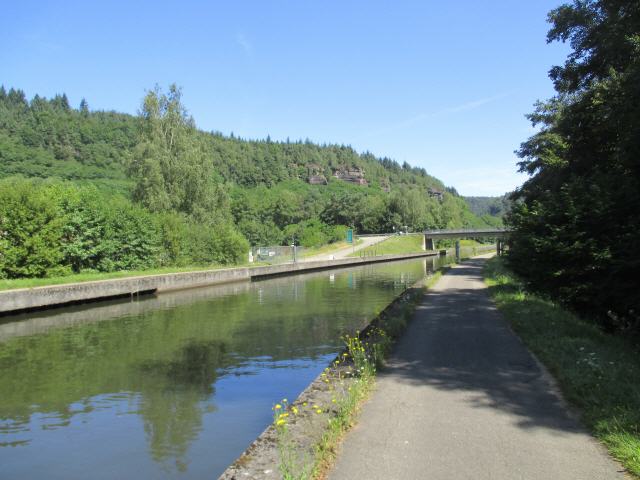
x,y
599,373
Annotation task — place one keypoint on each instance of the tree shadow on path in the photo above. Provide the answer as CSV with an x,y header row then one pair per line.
x,y
458,341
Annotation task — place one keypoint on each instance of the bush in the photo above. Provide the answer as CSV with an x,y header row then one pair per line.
x,y
336,233
219,244
314,233
261,232
31,227
132,241
230,246
310,233
85,219
58,228
174,239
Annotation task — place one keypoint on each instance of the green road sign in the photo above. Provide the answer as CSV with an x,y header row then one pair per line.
x,y
349,236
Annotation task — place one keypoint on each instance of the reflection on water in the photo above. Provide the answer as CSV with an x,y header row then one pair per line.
x,y
175,385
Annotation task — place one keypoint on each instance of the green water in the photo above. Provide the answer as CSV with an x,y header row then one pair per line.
x,y
176,385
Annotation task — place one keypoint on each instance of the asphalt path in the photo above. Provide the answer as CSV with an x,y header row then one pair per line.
x,y
462,398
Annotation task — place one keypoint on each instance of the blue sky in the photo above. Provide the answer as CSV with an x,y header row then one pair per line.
x,y
442,85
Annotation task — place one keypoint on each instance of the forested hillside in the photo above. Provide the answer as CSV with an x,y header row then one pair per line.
x,y
491,209
192,185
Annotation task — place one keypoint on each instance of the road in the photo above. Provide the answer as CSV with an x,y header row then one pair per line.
x,y
462,398
367,241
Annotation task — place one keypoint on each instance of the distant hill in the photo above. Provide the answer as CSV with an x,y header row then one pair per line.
x,y
269,185
48,138
495,207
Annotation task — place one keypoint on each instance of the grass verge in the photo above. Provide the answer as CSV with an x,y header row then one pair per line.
x,y
470,252
328,248
598,373
8,284
395,245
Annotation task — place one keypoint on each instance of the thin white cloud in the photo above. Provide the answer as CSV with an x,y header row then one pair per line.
x,y
483,181
475,103
244,43
472,105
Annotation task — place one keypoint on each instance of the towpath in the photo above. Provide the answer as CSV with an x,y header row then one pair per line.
x,y
462,398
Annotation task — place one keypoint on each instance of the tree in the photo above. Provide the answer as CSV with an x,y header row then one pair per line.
x,y
84,107
577,219
172,169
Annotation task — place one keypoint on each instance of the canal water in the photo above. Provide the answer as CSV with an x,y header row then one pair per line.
x,y
175,385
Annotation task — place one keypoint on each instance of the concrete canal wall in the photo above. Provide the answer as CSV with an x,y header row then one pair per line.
x,y
24,299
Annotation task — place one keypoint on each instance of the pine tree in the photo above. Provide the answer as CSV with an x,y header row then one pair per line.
x,y
84,107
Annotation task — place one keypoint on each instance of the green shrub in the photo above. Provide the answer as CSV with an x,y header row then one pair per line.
x,y
58,228
84,230
260,233
219,244
174,240
230,246
336,233
31,227
132,241
310,233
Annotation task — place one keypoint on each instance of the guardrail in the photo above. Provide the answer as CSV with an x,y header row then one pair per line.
x,y
459,233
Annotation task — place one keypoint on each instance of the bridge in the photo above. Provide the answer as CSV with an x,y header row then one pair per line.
x,y
498,233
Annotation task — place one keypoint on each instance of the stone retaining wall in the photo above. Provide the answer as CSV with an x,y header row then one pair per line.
x,y
25,299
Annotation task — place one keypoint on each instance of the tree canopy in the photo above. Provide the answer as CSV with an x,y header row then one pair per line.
x,y
202,194
577,218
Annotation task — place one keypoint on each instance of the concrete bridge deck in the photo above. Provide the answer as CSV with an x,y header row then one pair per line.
x,y
468,232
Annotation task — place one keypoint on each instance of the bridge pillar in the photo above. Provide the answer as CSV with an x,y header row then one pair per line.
x,y
428,243
458,250
499,246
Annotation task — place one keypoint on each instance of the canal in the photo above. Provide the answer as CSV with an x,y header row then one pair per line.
x,y
175,385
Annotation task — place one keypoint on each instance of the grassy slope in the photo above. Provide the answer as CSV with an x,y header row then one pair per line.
x,y
598,373
327,248
7,284
469,243
394,245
